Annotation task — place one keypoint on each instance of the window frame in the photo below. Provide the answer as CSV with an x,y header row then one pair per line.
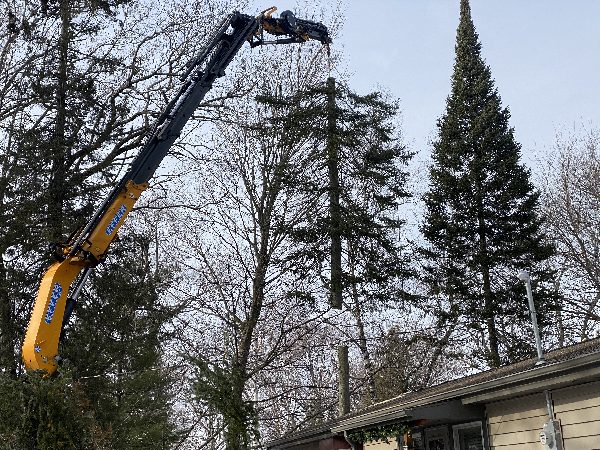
x,y
436,433
463,426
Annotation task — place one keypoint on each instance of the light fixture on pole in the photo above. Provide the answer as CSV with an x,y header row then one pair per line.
x,y
525,278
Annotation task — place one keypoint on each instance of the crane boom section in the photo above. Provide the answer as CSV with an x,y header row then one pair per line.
x,y
40,346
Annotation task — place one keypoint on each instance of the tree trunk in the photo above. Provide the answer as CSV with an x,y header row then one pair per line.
x,y
362,336
237,434
334,200
236,422
57,188
439,348
7,326
488,307
488,302
343,381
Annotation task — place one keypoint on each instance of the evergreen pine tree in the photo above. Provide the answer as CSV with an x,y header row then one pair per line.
x,y
83,124
481,222
46,414
354,174
114,348
369,159
65,127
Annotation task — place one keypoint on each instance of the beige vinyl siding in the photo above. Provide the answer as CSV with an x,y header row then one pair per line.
x,y
381,445
578,409
516,423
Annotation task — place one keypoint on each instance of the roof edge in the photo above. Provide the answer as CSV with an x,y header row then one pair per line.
x,y
540,372
322,432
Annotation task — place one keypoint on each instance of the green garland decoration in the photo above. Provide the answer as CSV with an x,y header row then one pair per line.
x,y
380,433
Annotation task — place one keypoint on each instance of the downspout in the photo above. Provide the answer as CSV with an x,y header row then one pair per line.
x,y
525,278
551,435
349,441
549,406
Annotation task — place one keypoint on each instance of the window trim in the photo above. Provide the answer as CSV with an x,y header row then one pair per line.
x,y
462,426
436,433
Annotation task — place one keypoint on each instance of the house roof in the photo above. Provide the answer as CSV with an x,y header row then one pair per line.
x,y
562,367
565,366
298,438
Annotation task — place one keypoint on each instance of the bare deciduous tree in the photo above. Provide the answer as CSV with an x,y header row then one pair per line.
x,y
572,206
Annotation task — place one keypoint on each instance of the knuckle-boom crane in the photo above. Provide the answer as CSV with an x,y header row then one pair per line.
x,y
87,247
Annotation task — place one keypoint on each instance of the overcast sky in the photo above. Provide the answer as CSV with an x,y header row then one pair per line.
x,y
544,56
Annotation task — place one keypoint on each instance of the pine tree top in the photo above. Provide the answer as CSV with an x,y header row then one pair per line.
x,y
469,62
465,9
466,35
474,97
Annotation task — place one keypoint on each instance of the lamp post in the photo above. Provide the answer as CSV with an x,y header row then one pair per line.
x,y
525,278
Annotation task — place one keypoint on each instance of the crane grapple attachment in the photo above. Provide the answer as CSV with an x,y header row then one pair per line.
x,y
296,30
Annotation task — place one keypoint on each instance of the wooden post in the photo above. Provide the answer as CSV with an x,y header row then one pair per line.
x,y
343,380
334,199
407,441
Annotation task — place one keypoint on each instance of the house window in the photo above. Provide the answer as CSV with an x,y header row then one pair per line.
x,y
436,438
418,443
468,436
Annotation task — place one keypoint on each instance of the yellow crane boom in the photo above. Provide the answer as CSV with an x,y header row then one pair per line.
x,y
86,248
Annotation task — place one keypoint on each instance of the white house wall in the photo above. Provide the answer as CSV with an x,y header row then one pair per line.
x,y
578,409
381,445
516,423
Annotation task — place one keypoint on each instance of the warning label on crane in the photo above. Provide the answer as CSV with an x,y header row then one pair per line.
x,y
115,220
56,293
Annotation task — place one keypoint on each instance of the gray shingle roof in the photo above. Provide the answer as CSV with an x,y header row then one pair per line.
x,y
555,356
456,388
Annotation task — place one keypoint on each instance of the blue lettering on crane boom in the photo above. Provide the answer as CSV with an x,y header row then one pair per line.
x,y
56,293
115,220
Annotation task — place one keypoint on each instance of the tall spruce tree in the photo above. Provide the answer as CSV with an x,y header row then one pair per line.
x,y
115,347
356,179
481,222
